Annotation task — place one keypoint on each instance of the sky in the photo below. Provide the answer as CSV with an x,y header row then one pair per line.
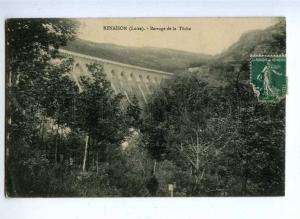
x,y
202,35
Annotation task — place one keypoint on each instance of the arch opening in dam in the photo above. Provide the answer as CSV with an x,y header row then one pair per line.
x,y
129,80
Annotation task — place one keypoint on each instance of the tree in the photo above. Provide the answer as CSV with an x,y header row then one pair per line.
x,y
221,139
99,114
133,113
31,45
257,158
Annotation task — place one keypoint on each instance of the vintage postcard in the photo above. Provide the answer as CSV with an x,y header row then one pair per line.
x,y
145,107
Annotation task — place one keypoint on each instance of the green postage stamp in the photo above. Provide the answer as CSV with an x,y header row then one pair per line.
x,y
268,77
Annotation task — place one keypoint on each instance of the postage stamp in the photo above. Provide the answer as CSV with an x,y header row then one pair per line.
x,y
268,77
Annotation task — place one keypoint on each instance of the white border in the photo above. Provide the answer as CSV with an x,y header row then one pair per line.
x,y
234,208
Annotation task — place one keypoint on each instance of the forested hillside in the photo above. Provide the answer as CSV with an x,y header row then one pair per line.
x,y
209,124
198,139
260,42
270,41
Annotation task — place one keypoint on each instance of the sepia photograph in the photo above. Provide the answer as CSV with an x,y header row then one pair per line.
x,y
145,107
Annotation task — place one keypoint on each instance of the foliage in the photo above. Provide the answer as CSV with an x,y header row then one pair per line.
x,y
206,139
31,45
223,143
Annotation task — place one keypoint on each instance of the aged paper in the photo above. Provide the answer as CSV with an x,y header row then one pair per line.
x,y
145,107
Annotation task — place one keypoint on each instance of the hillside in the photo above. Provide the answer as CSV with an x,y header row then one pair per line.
x,y
269,41
262,42
156,58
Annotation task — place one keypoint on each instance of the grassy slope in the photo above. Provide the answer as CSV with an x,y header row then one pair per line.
x,y
148,57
